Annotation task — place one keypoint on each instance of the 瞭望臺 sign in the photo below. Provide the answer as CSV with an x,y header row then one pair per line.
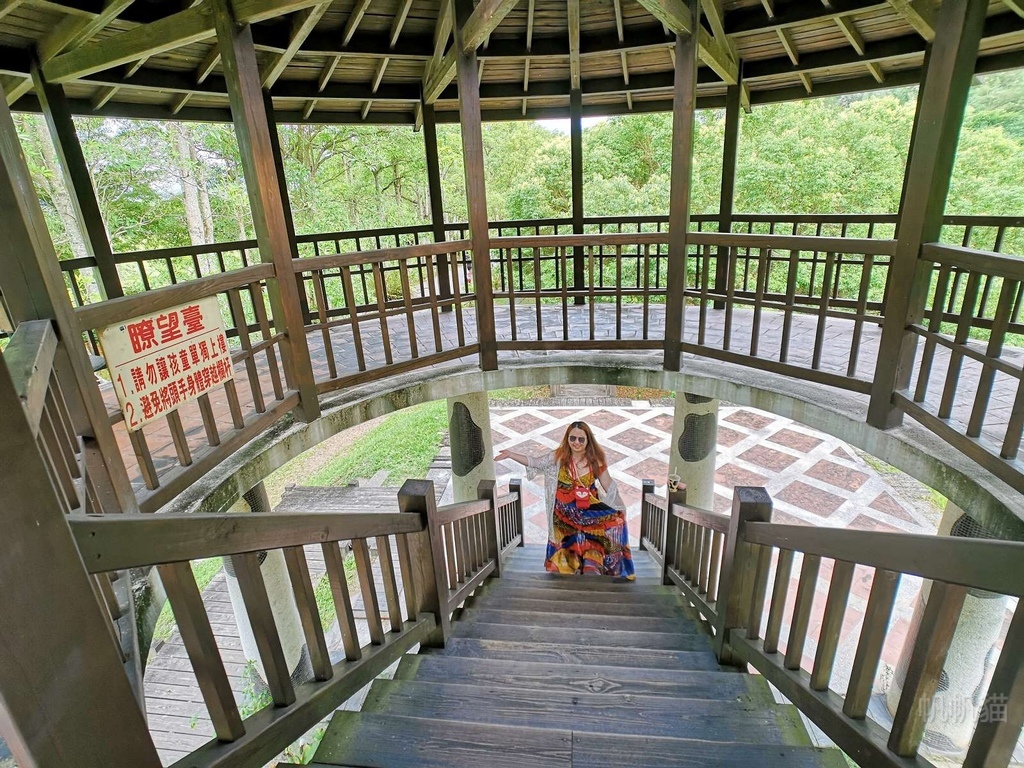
x,y
158,362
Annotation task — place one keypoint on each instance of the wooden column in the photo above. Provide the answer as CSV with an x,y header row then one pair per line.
x,y
57,113
576,150
476,189
444,281
34,289
942,98
255,145
684,105
62,683
286,203
728,193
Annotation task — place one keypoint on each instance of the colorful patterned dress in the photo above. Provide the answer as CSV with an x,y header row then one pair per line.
x,y
590,541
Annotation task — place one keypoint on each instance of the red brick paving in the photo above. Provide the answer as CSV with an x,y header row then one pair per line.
x,y
730,476
749,419
768,458
525,423
605,419
810,499
837,475
887,504
637,439
798,441
662,421
728,437
649,469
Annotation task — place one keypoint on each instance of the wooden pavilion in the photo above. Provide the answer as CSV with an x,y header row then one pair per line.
x,y
85,498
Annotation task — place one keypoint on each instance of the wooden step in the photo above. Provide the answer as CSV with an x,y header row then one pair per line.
x,y
593,712
575,581
434,668
668,609
389,741
572,655
522,565
671,641
553,591
568,615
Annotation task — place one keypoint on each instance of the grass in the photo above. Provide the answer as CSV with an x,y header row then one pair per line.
x,y
204,571
404,444
540,392
642,393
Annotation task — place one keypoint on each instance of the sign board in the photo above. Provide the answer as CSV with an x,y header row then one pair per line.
x,y
158,362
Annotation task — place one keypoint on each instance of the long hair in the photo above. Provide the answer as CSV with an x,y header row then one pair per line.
x,y
593,452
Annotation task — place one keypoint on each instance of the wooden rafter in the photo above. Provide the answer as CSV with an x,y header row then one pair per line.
x,y
745,96
787,42
440,70
715,53
302,25
179,102
378,76
849,29
135,66
353,21
618,20
400,17
920,14
103,96
573,13
308,109
769,8
1017,6
530,8
72,31
486,16
808,83
16,88
6,6
876,71
210,61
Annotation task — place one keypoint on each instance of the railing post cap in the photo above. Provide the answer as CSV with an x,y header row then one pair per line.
x,y
751,502
417,488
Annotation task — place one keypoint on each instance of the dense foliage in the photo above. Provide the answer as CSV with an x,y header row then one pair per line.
x,y
169,184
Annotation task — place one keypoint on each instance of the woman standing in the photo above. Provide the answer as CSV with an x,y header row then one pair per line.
x,y
585,533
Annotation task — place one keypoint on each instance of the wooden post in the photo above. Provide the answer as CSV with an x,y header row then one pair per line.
x,y
426,552
476,190
286,203
673,526
576,151
942,98
739,566
252,128
684,106
34,289
444,280
728,194
57,113
485,490
515,486
62,682
647,486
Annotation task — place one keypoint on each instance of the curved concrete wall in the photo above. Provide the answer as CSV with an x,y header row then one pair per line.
x,y
910,448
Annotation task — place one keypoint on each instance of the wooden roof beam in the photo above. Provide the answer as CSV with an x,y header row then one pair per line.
x,y
353,21
400,17
440,70
16,87
486,16
530,8
769,8
6,6
876,71
752,20
188,26
103,96
72,31
302,25
713,52
210,61
787,43
920,14
849,29
618,20
1017,6
573,14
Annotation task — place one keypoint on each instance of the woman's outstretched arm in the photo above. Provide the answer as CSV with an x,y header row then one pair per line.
x,y
516,456
611,490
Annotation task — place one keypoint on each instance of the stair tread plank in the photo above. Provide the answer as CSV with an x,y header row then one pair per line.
x,y
434,668
594,608
368,739
538,591
647,658
601,713
582,637
603,583
569,616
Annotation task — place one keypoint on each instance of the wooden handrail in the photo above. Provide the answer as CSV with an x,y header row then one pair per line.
x,y
974,260
461,510
995,566
114,542
703,517
355,258
115,310
29,357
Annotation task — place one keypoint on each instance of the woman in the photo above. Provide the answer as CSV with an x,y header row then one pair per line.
x,y
585,534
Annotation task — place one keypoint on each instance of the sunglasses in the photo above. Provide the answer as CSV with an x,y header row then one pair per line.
x,y
575,439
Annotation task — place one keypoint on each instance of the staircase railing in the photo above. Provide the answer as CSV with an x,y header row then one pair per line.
x,y
751,547
444,553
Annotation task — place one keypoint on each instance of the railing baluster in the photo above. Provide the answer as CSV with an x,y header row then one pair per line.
x,y
872,639
325,331
934,635
819,334
145,459
805,592
831,624
714,566
364,570
934,328
956,355
387,575
408,581
338,580
264,630
780,590
305,603
242,326
403,269
707,536
757,593
382,314
350,304
201,647
260,309
993,351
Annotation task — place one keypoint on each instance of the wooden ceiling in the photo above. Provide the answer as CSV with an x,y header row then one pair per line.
x,y
351,61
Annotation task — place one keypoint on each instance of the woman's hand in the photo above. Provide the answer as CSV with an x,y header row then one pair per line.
x,y
506,454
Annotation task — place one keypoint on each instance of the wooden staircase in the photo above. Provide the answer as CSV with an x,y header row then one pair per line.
x,y
560,671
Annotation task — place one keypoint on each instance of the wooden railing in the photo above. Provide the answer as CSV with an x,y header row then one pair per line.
x,y
380,312
166,457
444,553
723,566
